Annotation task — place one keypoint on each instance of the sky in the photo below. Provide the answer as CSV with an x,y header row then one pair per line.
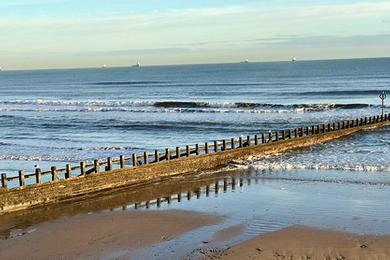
x,y
90,33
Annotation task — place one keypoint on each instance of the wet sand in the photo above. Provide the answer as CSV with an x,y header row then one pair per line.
x,y
299,242
104,235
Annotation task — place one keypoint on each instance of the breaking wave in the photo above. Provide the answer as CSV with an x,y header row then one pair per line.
x,y
156,106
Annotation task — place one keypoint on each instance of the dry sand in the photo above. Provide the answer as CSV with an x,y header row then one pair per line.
x,y
298,242
101,235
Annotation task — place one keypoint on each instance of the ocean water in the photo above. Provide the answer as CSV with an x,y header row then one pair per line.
x,y
50,117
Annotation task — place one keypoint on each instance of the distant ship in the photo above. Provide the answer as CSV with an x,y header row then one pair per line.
x,y
137,65
245,61
294,59
104,66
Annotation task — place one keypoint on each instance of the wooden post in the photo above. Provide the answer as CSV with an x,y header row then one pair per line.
x,y
365,120
54,176
206,148
313,131
263,138
348,124
289,133
334,126
22,182
223,145
121,161
68,171
177,152
38,176
188,152
82,168
277,136
96,166
197,149
4,181
232,143
248,140
134,159
307,130
328,129
256,139
216,146
240,142
270,136
146,158
167,154
323,128
109,164
296,133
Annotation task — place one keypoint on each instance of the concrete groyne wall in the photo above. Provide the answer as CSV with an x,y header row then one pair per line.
x,y
57,185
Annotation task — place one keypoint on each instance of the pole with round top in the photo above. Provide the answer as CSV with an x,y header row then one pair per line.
x,y
382,96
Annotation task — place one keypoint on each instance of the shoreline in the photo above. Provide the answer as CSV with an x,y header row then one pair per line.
x,y
302,242
102,235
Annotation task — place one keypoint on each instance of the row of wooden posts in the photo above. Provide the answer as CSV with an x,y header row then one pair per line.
x,y
84,169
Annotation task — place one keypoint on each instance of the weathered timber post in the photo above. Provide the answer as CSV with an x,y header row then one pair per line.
x,y
277,135
134,160
177,152
4,181
215,146
82,169
225,184
232,143
22,182
121,161
283,135
206,148
296,133
223,145
167,154
318,129
146,158
216,187
109,164
68,171
301,131
189,195
38,176
158,202
313,131
323,128
256,139
188,152
348,123
54,176
328,127
197,149
207,191
334,126
179,197
270,136
307,130
338,126
357,122
343,125
248,140
365,120
289,133
240,142
263,138
96,165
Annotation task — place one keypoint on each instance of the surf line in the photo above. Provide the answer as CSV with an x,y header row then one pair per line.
x,y
57,185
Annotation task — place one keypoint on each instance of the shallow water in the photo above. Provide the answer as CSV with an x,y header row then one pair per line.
x,y
263,201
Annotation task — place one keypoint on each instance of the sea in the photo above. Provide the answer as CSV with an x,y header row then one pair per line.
x,y
53,117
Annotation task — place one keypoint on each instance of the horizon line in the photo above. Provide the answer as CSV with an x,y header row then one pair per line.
x,y
2,69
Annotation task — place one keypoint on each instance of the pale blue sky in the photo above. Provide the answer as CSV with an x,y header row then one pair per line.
x,y
89,33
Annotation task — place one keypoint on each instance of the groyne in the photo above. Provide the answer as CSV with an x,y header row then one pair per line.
x,y
57,185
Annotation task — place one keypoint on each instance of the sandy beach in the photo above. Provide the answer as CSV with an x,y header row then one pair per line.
x,y
111,235
300,242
